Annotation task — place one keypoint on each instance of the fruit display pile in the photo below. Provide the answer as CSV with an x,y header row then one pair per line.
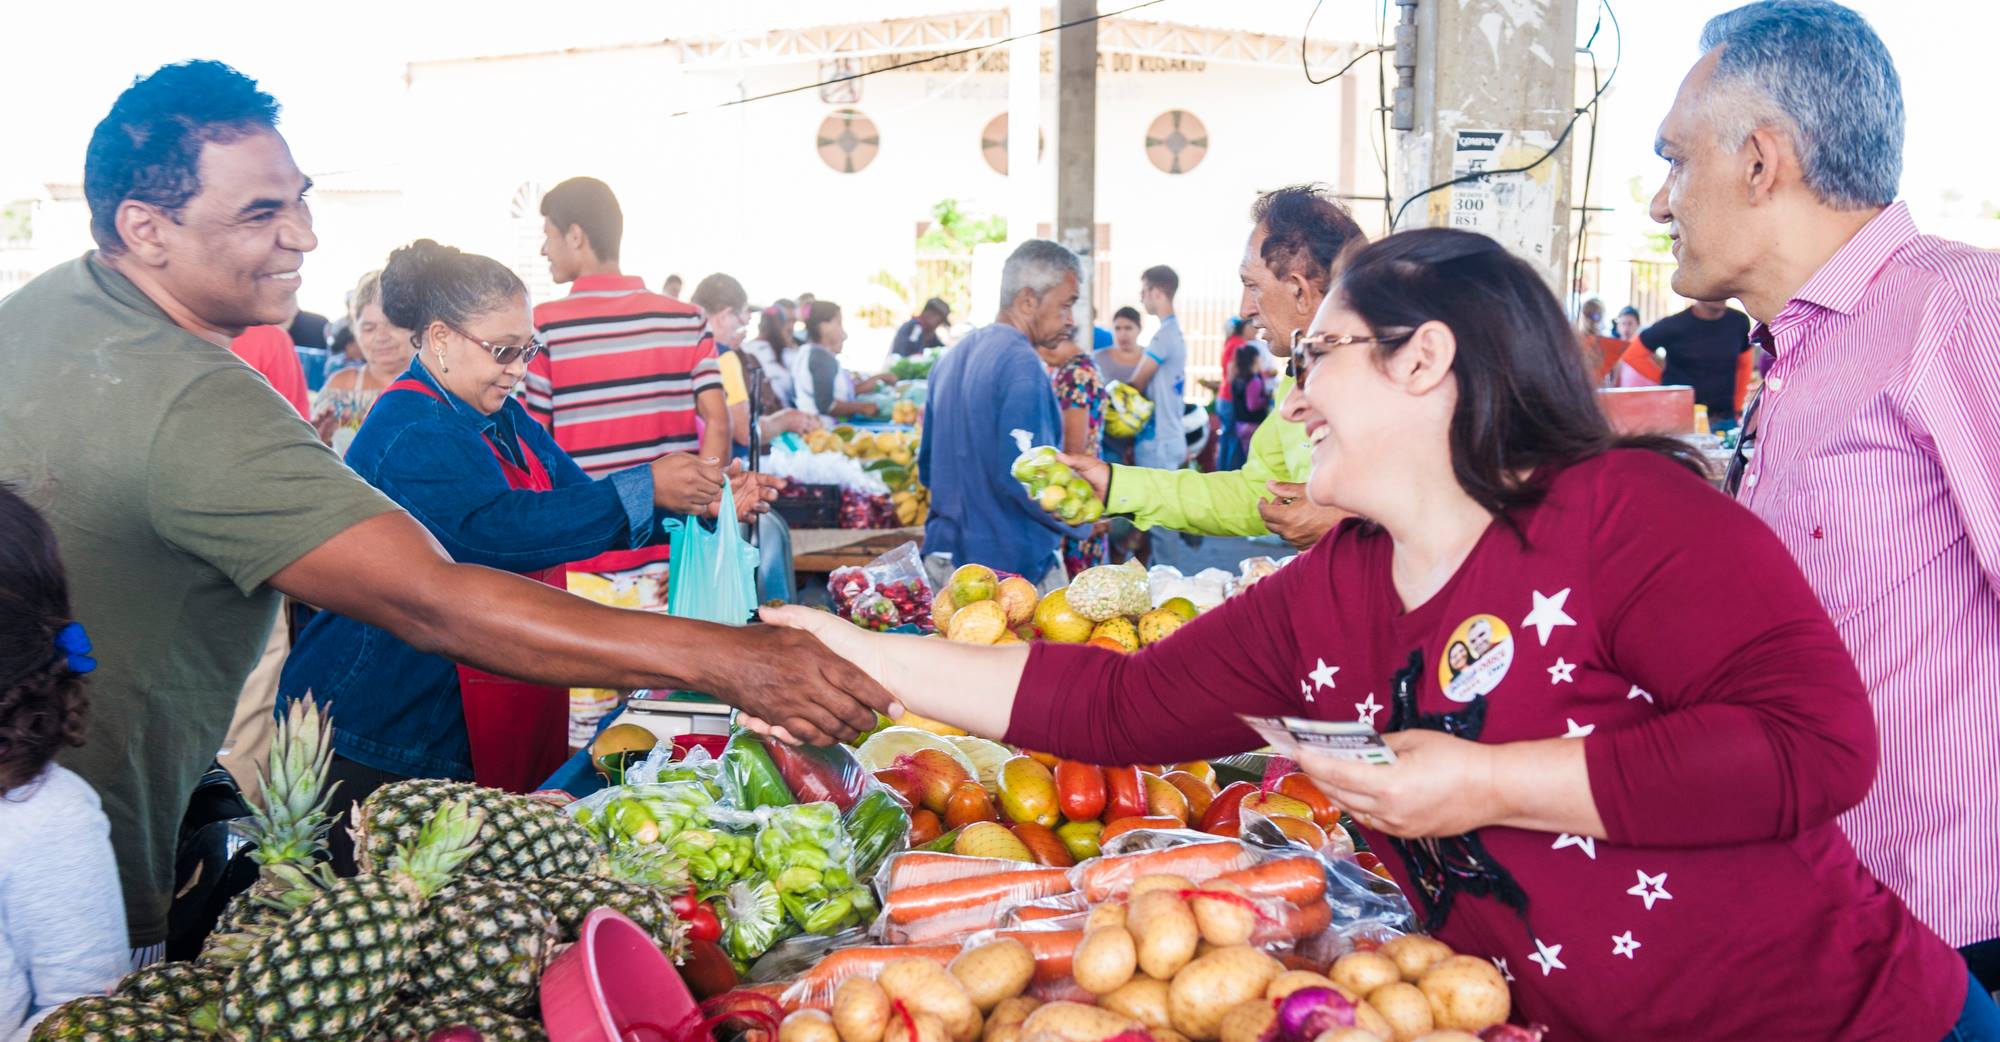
x,y
891,457
465,896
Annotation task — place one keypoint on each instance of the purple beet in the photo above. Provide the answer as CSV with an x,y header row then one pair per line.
x,y
1309,1011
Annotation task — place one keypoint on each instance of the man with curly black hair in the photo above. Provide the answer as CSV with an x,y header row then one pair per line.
x,y
188,495
63,935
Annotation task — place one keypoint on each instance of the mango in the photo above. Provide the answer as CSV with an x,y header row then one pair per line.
x,y
1018,597
1058,622
1164,799
1081,837
972,583
1182,607
981,622
1028,792
990,839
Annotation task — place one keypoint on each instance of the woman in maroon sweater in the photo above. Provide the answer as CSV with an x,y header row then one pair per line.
x,y
1623,724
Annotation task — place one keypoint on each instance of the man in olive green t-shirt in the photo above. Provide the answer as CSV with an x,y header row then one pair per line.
x,y
1287,266
186,495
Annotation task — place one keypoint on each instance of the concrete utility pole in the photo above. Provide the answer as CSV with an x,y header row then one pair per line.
x,y
1076,147
1024,120
1489,84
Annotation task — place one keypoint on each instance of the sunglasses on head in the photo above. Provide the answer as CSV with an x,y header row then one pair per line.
x,y
504,354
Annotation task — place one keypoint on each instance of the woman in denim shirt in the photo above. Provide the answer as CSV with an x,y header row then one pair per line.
x,y
449,443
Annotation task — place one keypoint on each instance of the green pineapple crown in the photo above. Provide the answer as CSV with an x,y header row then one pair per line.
x,y
291,827
448,838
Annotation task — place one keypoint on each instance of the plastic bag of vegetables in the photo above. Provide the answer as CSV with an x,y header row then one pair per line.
x,y
1053,485
753,920
807,857
877,827
660,766
1127,410
750,778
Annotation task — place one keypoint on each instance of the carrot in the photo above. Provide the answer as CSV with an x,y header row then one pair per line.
x,y
909,904
1053,950
922,868
1109,877
814,990
1295,879
1295,923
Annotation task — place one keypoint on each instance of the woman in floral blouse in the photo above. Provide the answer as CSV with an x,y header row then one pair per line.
x,y
1080,392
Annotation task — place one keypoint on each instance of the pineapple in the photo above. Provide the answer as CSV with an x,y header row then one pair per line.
x,y
524,838
328,971
289,833
191,990
484,942
416,1023
97,1018
572,898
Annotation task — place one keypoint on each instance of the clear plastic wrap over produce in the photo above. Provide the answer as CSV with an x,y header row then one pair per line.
x,y
1052,484
1126,410
950,908
680,816
750,778
890,591
796,955
805,853
660,766
814,989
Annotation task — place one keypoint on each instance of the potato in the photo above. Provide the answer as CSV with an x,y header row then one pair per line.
x,y
808,1025
1212,985
1004,1023
1405,1008
1148,884
860,1010
1165,932
1292,980
1110,913
1365,971
1368,1019
1349,1035
1105,959
1143,999
994,972
1223,922
924,986
1448,1036
929,1028
1466,993
1415,953
1076,1022
1249,1021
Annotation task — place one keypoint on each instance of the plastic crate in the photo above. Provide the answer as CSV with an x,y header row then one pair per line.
x,y
809,506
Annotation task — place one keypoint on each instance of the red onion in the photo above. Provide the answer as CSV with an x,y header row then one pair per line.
x,y
1308,1012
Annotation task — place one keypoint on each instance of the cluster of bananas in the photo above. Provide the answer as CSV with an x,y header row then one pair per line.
x,y
897,447
913,504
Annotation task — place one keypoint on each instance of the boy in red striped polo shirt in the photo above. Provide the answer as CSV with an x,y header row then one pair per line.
x,y
628,375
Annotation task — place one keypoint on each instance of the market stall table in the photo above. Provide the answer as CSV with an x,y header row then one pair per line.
x,y
818,551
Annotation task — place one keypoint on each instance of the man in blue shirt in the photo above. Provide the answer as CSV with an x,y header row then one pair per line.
x,y
920,334
1163,374
988,385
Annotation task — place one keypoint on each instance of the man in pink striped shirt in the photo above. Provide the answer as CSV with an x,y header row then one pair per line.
x,y
1873,447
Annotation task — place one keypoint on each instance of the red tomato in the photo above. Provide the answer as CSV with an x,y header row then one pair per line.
x,y
1126,796
1301,788
1124,825
1079,790
968,803
924,827
1225,812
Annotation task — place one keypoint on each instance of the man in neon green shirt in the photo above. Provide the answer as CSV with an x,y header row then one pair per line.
x,y
1287,264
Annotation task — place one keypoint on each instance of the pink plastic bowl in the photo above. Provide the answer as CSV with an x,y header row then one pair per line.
x,y
615,985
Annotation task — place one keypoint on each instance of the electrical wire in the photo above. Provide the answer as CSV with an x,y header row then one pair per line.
x,y
1382,108
1100,16
1589,106
1304,38
1582,242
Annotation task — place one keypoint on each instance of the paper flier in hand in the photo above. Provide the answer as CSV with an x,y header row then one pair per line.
x,y
1346,740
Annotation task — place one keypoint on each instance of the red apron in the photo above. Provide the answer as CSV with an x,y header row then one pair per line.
x,y
519,732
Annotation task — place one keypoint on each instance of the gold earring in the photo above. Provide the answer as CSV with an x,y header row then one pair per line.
x,y
442,368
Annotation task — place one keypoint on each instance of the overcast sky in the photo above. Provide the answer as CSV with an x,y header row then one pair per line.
x,y
337,67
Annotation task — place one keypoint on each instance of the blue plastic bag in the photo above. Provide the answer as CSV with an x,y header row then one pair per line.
x,y
713,571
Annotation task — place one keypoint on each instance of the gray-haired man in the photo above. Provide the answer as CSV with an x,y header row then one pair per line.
x,y
1869,450
988,385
